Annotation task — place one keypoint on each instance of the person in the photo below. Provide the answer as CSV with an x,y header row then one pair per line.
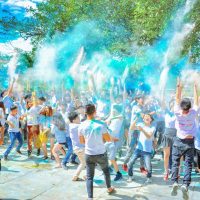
x,y
197,151
7,100
32,116
116,128
59,130
137,113
45,128
14,131
167,139
92,133
144,146
2,122
78,148
184,141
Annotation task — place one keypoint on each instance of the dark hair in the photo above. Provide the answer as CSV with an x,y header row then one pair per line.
x,y
139,96
185,104
2,106
152,119
2,93
13,107
90,109
42,99
72,116
27,96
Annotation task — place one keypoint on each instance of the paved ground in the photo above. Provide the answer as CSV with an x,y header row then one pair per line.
x,y
23,178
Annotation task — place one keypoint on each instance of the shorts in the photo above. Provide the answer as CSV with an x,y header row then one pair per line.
x,y
44,136
112,148
167,138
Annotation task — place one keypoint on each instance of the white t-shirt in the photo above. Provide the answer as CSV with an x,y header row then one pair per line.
x,y
33,115
144,143
116,127
93,130
15,121
169,120
73,131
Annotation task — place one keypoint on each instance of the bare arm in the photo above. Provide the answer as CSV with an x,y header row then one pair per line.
x,y
147,134
11,88
178,91
10,124
81,139
196,103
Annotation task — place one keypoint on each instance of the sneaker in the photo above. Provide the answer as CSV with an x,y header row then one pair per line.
x,y
19,152
38,152
174,189
148,181
5,158
143,170
118,176
45,158
29,153
130,179
74,162
52,157
165,177
125,167
184,190
64,166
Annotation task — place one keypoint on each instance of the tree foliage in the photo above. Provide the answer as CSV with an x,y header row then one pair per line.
x,y
123,22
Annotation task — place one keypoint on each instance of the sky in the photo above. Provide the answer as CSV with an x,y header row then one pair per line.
x,y
16,8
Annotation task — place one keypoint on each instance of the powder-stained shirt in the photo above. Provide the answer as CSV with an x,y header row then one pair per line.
x,y
185,123
93,131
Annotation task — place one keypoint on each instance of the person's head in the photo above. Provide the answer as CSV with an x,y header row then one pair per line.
x,y
47,111
90,110
41,100
185,105
59,121
74,117
4,93
13,110
27,97
148,119
29,104
81,110
139,99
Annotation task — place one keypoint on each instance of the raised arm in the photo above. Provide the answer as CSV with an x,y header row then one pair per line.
x,y
10,89
178,91
196,103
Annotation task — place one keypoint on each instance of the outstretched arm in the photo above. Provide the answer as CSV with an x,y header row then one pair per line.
x,y
11,87
178,91
195,95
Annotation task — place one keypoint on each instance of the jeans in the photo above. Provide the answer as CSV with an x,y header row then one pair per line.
x,y
132,141
91,161
14,136
147,160
69,152
182,147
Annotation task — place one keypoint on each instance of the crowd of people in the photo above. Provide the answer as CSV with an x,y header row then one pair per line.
x,y
93,127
